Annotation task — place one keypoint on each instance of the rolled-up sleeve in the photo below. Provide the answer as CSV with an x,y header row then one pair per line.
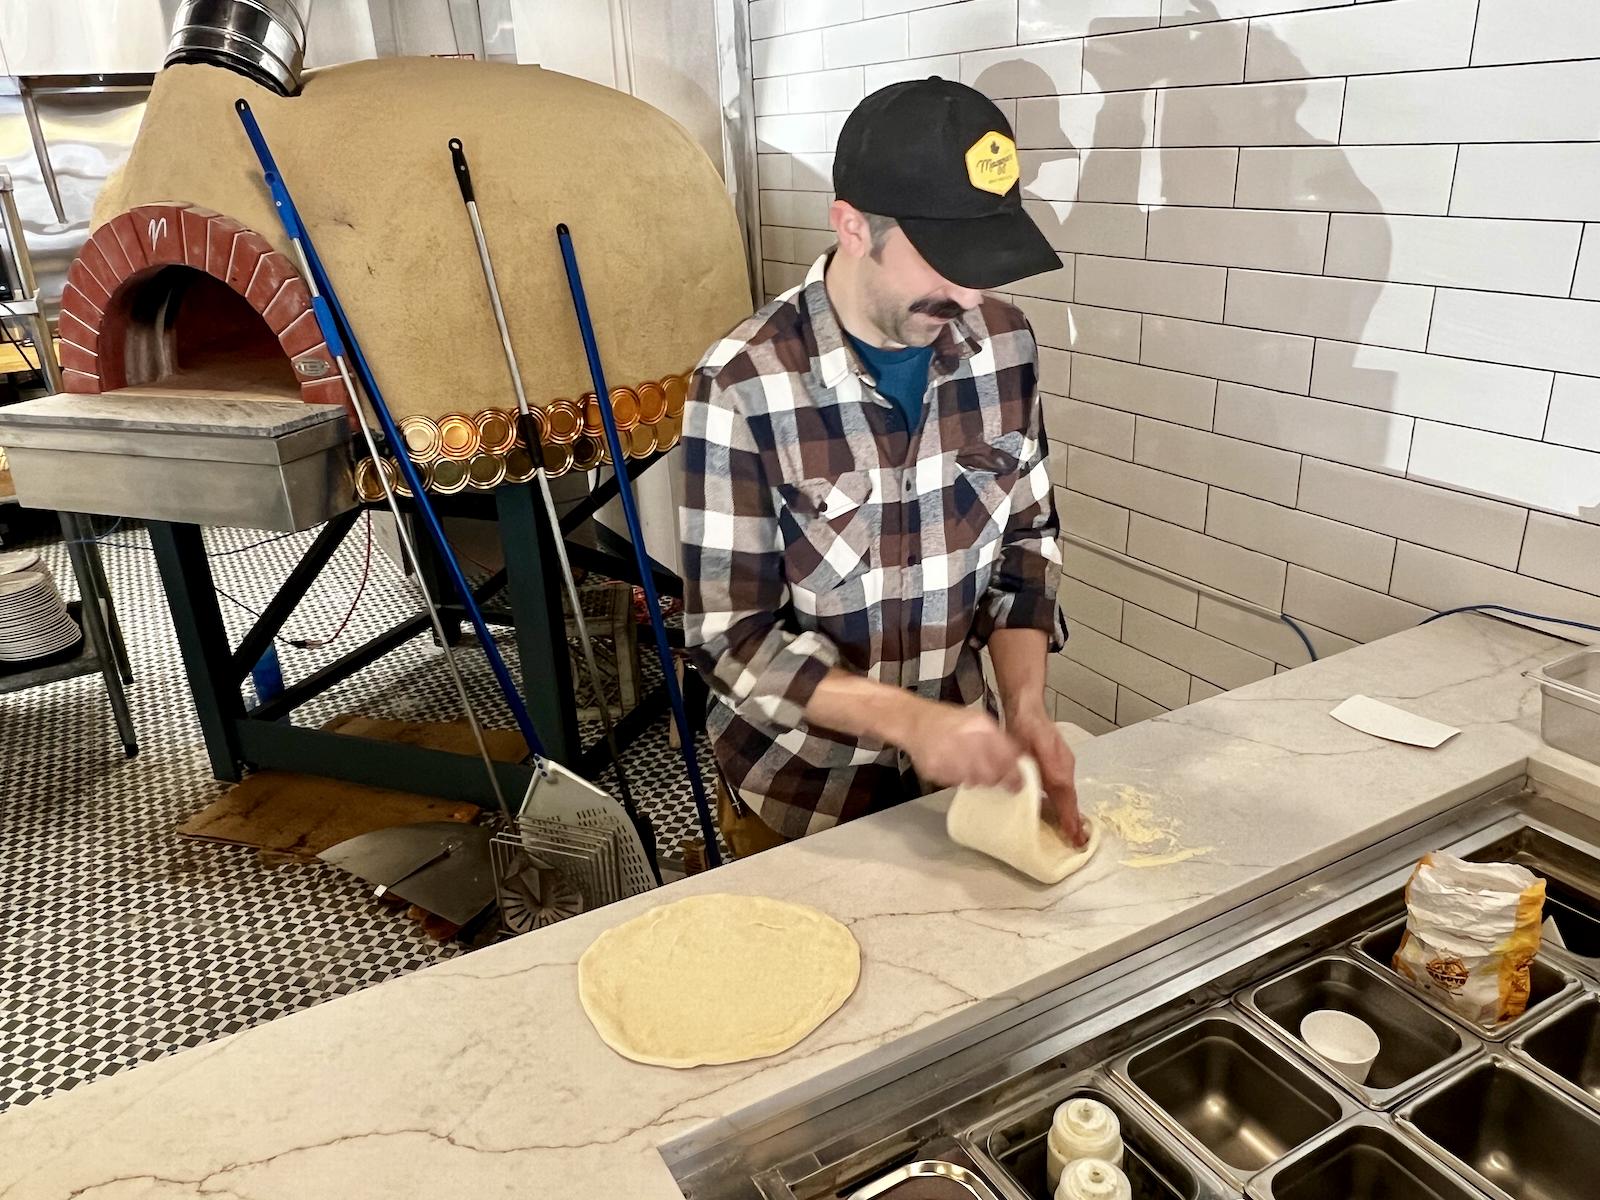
x,y
735,592
1022,590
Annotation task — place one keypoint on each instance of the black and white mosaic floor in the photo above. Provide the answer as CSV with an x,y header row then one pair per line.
x,y
119,941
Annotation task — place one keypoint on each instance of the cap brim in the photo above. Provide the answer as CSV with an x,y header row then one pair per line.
x,y
983,252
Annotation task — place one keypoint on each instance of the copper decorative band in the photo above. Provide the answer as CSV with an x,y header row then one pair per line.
x,y
458,436
557,459
640,441
370,490
677,389
668,432
652,403
497,432
482,450
540,425
624,408
520,466
563,422
590,408
449,476
421,436
485,472
588,452
367,485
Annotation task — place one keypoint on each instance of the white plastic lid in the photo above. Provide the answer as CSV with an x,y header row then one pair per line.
x,y
1085,1128
1093,1179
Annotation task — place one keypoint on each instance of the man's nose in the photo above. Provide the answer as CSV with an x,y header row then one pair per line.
x,y
968,298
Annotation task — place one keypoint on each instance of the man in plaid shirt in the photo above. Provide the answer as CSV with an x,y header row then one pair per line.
x,y
867,502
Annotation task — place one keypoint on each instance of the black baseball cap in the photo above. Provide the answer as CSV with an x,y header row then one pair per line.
x,y
941,159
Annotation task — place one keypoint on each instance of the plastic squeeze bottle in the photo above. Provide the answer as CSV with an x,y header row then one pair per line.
x,y
1093,1179
1081,1128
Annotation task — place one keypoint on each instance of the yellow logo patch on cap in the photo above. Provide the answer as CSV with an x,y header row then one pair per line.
x,y
992,163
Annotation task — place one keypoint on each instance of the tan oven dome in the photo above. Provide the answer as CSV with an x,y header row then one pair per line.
x,y
364,151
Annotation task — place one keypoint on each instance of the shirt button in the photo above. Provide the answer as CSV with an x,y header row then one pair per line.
x,y
912,560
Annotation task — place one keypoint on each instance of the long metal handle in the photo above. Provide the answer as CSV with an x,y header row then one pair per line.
x,y
530,436
337,318
330,333
630,510
458,157
525,422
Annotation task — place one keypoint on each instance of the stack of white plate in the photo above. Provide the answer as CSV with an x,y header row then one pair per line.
x,y
34,621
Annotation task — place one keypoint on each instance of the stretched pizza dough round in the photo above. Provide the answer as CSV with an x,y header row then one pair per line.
x,y
1010,826
716,979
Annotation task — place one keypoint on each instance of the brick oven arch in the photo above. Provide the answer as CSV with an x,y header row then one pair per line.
x,y
142,258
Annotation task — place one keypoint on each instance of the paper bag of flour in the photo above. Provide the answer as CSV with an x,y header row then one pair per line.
x,y
1471,931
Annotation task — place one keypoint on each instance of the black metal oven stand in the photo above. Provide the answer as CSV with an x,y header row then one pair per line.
x,y
240,738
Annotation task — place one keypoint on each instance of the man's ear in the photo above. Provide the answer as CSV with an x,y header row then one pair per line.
x,y
855,235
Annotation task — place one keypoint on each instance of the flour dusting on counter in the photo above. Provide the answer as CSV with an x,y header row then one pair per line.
x,y
1134,820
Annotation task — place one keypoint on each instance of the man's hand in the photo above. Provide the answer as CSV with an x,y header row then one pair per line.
x,y
1037,734
951,745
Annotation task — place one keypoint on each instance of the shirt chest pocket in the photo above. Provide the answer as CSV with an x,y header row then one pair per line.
x,y
828,530
978,498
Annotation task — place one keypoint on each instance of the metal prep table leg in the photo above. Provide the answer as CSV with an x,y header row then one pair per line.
x,y
76,532
541,629
192,596
119,647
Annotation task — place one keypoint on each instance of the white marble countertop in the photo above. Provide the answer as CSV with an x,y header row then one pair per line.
x,y
481,1076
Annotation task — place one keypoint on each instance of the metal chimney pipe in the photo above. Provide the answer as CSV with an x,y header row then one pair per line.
x,y
264,40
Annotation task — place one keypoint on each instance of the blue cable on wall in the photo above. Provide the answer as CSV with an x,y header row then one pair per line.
x,y
1517,612
1290,622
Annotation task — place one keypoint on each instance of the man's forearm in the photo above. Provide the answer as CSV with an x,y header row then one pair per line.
x,y
948,743
861,707
1019,656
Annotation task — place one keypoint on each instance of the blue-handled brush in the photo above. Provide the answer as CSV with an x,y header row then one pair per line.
x,y
630,510
335,327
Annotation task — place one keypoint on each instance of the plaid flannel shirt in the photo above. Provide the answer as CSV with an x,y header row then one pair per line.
x,y
819,532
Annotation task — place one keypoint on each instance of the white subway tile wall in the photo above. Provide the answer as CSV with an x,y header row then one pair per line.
x,y
1132,707
1168,395
1107,430
1268,638
1379,179
1084,516
1327,334
1201,175
1400,35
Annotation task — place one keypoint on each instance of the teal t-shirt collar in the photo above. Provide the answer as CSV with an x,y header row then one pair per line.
x,y
901,375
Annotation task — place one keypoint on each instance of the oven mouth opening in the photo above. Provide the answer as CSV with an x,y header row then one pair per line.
x,y
186,333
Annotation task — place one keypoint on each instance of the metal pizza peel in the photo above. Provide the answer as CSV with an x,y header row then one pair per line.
x,y
440,866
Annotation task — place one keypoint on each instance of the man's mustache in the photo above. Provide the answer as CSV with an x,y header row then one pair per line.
x,y
942,310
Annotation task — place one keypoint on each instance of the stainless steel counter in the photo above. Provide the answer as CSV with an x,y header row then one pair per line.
x,y
1194,1044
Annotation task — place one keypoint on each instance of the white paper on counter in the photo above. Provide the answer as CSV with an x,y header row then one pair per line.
x,y
1395,724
